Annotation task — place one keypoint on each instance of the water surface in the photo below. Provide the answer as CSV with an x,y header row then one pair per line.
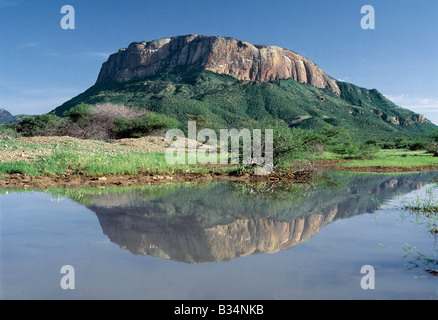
x,y
221,240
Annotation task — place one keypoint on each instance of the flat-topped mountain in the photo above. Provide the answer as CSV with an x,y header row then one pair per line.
x,y
236,58
230,83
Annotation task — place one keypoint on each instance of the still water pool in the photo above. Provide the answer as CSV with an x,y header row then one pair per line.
x,y
222,240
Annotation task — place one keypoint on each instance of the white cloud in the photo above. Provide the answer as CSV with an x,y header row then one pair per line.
x,y
427,106
423,103
344,79
96,54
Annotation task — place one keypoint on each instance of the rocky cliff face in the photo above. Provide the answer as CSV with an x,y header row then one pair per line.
x,y
236,58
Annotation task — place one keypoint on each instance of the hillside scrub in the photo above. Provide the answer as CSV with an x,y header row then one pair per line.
x,y
229,103
293,144
342,142
98,122
109,122
38,125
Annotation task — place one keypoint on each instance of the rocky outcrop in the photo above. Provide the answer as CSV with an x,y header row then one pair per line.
x,y
236,58
396,120
419,118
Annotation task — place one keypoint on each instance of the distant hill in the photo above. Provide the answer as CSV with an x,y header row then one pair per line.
x,y
7,117
231,83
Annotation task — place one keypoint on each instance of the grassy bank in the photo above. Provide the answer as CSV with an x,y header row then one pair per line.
x,y
66,156
388,159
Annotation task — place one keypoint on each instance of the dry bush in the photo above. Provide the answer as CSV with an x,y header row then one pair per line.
x,y
432,147
99,123
102,120
68,128
317,148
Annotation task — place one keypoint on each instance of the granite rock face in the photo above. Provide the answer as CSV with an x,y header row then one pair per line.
x,y
236,58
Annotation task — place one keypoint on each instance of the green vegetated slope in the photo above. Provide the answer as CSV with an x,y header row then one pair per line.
x,y
225,102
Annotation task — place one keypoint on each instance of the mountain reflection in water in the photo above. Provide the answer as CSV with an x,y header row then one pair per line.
x,y
195,223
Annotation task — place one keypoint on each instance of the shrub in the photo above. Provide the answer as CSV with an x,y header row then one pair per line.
x,y
103,118
401,143
316,148
388,145
341,141
143,125
348,148
38,124
330,135
419,145
289,144
83,121
201,121
432,147
80,114
97,122
354,150
372,142
433,136
7,130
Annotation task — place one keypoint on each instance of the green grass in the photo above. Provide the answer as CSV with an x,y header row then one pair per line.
x,y
399,158
97,158
385,158
426,205
97,165
92,158
66,161
424,209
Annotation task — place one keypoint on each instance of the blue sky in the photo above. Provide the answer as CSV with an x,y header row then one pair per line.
x,y
42,65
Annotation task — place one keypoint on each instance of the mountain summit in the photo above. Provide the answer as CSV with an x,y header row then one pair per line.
x,y
228,83
236,58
